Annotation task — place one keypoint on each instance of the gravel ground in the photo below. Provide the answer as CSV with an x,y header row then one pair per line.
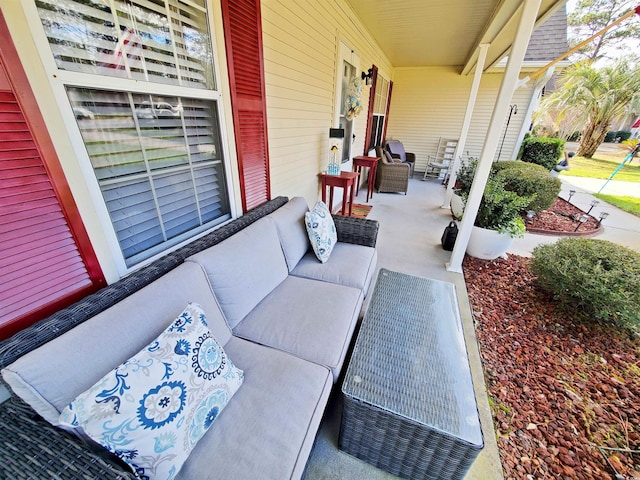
x,y
564,388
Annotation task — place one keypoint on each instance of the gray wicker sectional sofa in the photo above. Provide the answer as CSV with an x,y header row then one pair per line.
x,y
281,316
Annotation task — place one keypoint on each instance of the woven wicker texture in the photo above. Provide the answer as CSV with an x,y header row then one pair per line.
x,y
391,176
356,230
408,384
30,448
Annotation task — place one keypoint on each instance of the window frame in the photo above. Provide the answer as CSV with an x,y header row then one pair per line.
x,y
59,80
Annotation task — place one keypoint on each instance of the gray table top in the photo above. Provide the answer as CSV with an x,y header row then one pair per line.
x,y
410,356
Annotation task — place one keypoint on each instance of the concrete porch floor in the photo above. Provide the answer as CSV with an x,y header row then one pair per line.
x,y
409,242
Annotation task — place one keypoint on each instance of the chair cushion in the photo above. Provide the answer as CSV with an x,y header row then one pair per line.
x,y
350,265
280,404
395,146
51,376
321,230
289,221
310,319
153,409
244,268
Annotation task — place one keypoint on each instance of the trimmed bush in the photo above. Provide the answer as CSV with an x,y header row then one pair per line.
x,y
529,180
596,275
623,135
610,136
542,151
574,137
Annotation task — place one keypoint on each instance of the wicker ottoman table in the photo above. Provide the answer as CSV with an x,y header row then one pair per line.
x,y
409,405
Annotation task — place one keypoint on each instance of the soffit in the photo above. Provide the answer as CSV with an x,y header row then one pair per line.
x,y
414,33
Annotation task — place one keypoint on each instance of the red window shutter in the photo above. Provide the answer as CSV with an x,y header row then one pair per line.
x,y
45,262
243,40
372,101
384,133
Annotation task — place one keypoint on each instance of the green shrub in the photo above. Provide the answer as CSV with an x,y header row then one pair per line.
x,y
542,151
623,135
465,174
595,275
575,136
500,209
529,180
610,136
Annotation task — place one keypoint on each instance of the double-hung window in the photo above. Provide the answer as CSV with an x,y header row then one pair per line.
x,y
151,131
378,118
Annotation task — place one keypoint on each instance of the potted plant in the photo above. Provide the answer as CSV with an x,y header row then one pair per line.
x,y
461,189
498,221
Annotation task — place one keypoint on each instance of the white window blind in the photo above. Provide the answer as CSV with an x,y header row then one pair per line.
x,y
157,158
162,41
157,162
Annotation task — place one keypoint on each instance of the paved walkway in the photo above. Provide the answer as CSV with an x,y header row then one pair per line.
x,y
593,185
620,227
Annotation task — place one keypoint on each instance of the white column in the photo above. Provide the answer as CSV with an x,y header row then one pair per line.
x,y
466,123
526,23
534,100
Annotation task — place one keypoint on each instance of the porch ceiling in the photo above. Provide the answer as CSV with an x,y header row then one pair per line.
x,y
444,32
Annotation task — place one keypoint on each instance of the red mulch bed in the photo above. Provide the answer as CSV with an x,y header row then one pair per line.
x,y
561,217
560,383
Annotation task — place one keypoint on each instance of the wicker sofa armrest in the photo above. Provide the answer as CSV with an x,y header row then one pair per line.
x,y
359,231
411,157
32,448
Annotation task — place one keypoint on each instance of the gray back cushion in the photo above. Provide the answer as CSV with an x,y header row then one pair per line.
x,y
289,221
244,268
51,376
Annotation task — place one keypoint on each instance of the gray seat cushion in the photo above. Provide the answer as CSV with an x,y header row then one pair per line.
x,y
349,264
244,268
311,319
51,376
289,222
279,405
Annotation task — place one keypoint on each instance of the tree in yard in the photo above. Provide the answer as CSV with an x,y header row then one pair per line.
x,y
591,16
594,97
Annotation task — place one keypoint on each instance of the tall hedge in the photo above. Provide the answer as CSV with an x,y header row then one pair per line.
x,y
542,151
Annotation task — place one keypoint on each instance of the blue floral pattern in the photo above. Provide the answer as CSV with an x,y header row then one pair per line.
x,y
321,230
152,410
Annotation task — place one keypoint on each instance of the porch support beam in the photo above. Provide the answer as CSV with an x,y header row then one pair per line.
x,y
534,100
528,14
466,123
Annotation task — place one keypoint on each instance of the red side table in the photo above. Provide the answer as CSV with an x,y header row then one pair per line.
x,y
372,164
346,181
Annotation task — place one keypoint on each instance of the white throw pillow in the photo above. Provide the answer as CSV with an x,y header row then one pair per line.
x,y
321,230
152,410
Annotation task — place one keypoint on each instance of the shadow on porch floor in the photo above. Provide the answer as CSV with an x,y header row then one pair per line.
x,y
409,242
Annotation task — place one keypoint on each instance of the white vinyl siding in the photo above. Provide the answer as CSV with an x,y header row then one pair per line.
x,y
430,102
300,56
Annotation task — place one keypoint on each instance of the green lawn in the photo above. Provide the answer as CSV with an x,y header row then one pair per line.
x,y
628,204
604,167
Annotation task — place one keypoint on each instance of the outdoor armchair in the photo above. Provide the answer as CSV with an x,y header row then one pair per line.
x,y
391,175
397,151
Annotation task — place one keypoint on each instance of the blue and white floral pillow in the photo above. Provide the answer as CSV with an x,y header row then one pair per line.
x,y
321,230
152,410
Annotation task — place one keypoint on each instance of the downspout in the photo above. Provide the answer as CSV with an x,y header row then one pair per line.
x,y
466,123
509,83
534,100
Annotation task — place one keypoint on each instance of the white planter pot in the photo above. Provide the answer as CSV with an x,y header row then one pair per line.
x,y
457,206
488,244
